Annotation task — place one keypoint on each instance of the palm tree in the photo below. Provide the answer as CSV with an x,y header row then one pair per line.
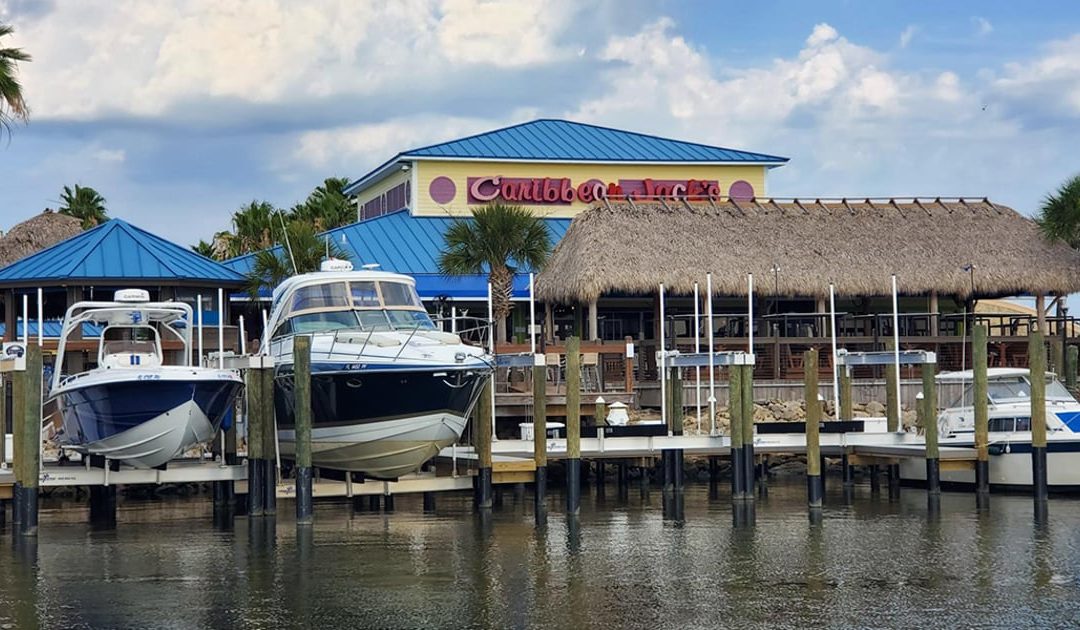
x,y
204,249
497,239
12,104
1059,216
253,229
327,207
304,251
84,203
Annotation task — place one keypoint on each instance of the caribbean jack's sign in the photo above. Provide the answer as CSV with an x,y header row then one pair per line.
x,y
563,191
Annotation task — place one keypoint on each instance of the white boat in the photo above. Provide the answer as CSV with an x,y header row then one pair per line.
x,y
388,389
1009,398
132,407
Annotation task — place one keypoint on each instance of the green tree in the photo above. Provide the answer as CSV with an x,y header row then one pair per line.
x,y
302,252
327,207
12,104
497,240
84,203
203,248
253,229
1059,215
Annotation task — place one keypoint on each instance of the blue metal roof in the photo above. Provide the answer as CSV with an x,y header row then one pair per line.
x,y
52,329
117,250
564,140
403,243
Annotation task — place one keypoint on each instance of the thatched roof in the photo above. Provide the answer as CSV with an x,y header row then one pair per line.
x,y
632,247
35,234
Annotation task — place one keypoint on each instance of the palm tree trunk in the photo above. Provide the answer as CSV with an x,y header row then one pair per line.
x,y
501,286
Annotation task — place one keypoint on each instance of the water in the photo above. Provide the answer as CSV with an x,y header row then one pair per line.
x,y
869,562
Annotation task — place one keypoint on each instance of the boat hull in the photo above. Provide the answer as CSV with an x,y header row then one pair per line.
x,y
144,423
383,423
1010,465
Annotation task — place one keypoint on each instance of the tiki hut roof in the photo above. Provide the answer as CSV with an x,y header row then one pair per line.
x,y
35,234
632,247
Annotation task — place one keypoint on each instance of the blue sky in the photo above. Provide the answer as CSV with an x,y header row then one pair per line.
x,y
180,112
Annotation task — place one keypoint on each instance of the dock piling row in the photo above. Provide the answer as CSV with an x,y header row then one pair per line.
x,y
815,490
573,426
302,427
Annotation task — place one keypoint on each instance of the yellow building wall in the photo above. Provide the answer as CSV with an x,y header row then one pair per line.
x,y
379,188
460,172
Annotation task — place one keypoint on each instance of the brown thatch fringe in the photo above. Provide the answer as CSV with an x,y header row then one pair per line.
x,y
632,248
35,234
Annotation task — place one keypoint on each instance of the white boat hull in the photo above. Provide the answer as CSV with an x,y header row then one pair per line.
x,y
386,450
1009,469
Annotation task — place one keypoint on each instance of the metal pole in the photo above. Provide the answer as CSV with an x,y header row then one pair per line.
x,y
532,314
712,368
661,357
750,312
199,328
243,335
491,349
896,348
26,318
697,350
453,319
221,327
40,317
835,364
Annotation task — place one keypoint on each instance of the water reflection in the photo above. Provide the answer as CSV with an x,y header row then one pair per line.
x,y
720,563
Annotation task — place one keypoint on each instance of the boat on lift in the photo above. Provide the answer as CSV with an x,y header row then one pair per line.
x,y
1009,405
132,407
389,390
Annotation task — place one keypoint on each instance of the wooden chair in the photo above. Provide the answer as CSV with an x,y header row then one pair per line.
x,y
590,372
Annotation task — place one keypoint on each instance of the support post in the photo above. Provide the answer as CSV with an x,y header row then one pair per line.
x,y
1071,355
677,420
540,431
892,407
573,423
629,366
982,413
31,442
846,407
482,428
735,411
933,455
269,448
18,410
600,412
1037,370
748,430
302,427
3,441
256,410
814,487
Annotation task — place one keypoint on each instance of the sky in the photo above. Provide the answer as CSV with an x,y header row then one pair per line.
x,y
179,112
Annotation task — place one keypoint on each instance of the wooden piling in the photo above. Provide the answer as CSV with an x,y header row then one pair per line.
x,y
847,409
256,410
735,411
1037,370
482,428
31,441
573,426
302,427
18,410
1071,363
982,412
269,447
892,407
540,431
3,441
748,430
933,454
600,413
814,488
676,415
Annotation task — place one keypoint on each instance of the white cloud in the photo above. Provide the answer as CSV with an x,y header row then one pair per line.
x,y
122,57
907,35
982,25
109,155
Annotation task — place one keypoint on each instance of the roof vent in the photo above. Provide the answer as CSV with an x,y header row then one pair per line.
x,y
335,264
131,295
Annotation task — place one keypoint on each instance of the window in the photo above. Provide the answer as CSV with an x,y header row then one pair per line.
x,y
1023,424
410,319
319,296
322,322
1056,391
1010,389
373,320
397,294
1002,425
364,295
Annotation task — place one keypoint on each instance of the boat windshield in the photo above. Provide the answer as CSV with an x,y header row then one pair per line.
x,y
1014,389
367,305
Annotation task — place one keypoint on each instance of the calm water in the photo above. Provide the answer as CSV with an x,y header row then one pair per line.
x,y
870,562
